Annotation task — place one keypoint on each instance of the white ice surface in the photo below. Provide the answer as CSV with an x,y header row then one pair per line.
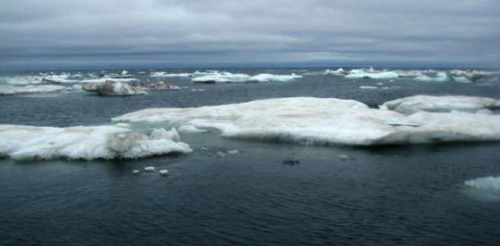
x,y
409,105
440,77
98,142
325,122
226,77
265,77
362,74
170,75
28,89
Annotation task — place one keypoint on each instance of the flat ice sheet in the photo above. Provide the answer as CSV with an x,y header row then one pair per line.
x,y
325,122
98,142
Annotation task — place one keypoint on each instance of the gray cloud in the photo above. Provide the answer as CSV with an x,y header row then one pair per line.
x,y
60,33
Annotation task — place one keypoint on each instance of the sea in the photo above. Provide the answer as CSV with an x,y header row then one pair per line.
x,y
267,194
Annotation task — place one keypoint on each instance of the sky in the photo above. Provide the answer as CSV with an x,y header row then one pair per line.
x,y
188,33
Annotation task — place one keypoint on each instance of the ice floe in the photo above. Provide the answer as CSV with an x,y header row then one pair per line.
x,y
222,77
30,89
484,189
440,77
227,77
325,122
170,75
265,77
370,74
409,105
338,72
97,142
112,88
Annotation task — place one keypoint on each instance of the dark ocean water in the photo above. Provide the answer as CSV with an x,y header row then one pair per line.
x,y
407,195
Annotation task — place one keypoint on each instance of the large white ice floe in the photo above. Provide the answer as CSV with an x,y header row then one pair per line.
x,y
112,88
30,89
98,142
485,189
409,105
370,74
325,122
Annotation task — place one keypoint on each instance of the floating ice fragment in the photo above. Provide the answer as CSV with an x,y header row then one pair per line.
x,y
149,169
484,189
136,172
409,105
163,172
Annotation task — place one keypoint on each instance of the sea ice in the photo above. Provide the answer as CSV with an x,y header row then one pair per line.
x,y
325,122
97,142
338,72
170,75
222,77
485,189
265,77
362,74
440,77
409,105
28,89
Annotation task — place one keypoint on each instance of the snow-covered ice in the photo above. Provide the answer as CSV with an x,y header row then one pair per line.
x,y
170,75
409,105
265,77
440,77
362,74
29,89
93,142
326,122
227,77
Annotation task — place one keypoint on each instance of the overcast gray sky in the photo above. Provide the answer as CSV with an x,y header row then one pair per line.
x,y
128,33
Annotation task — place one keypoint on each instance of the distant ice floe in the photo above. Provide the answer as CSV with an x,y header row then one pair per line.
x,y
440,77
326,122
338,72
112,88
31,89
484,189
370,74
170,75
227,77
413,104
87,143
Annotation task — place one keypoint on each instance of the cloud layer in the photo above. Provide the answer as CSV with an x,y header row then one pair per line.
x,y
84,33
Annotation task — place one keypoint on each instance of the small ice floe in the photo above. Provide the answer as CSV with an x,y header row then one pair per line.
x,y
368,87
226,153
343,157
413,104
136,172
484,189
163,172
149,169
198,90
233,152
113,88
